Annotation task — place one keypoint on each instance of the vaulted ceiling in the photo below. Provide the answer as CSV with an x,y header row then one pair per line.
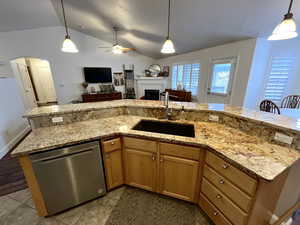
x,y
195,24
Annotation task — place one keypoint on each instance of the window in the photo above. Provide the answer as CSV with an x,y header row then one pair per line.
x,y
221,77
186,75
280,71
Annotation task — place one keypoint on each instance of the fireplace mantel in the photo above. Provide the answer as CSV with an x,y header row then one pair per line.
x,y
143,83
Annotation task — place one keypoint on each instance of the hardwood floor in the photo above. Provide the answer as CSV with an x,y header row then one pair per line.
x,y
11,175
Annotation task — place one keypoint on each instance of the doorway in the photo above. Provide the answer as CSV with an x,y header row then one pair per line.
x,y
35,80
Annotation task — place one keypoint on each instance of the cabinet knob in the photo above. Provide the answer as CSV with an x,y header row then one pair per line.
x,y
161,160
218,196
225,166
216,213
153,157
222,181
112,143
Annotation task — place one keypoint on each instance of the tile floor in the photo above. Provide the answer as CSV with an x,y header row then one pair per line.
x,y
18,209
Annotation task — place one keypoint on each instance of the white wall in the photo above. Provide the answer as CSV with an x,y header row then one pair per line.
x,y
242,49
45,43
12,125
257,79
264,51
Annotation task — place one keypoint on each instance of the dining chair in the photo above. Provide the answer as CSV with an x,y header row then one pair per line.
x,y
291,101
269,106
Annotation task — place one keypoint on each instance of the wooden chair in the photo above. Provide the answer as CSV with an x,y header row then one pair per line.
x,y
291,101
269,106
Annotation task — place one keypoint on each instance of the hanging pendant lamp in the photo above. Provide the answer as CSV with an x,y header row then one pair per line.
x,y
287,29
168,46
68,45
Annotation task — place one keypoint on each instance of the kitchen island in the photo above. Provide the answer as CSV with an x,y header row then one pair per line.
x,y
240,141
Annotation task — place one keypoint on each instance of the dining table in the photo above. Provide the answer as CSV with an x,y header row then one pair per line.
x,y
294,113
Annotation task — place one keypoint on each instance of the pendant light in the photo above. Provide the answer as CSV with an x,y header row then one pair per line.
x,y
168,46
68,45
287,29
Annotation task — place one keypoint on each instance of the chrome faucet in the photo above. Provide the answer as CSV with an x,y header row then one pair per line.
x,y
168,109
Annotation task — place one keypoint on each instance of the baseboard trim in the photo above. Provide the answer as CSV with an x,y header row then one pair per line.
x,y
14,141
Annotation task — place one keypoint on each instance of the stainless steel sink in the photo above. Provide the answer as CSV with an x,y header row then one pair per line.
x,y
166,127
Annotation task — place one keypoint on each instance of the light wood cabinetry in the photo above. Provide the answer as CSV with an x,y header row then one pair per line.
x,y
140,169
178,177
230,196
237,195
113,163
216,216
223,203
236,176
169,169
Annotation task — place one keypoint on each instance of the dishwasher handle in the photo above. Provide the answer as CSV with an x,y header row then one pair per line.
x,y
53,158
63,152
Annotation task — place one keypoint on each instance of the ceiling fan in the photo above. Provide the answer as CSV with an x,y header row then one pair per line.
x,y
117,48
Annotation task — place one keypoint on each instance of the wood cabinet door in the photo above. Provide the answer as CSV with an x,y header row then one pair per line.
x,y
178,177
113,169
140,169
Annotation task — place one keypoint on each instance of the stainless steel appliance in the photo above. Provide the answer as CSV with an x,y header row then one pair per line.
x,y
69,176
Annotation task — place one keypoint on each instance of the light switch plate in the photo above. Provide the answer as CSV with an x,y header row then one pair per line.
x,y
59,119
283,138
214,118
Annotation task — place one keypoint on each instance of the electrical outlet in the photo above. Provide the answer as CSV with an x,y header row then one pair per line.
x,y
59,119
283,138
213,118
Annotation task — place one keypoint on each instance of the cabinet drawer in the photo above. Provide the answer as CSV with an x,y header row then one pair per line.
x,y
223,203
111,145
233,192
180,151
214,214
141,144
236,176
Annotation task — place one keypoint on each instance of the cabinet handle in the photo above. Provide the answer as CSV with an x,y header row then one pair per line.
x,y
216,213
218,196
222,181
225,166
161,160
112,143
153,157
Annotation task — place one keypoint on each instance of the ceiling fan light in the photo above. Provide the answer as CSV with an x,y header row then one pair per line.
x,y
117,49
69,46
168,47
287,29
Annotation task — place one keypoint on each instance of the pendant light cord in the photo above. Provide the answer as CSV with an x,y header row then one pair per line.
x,y
290,7
65,20
168,37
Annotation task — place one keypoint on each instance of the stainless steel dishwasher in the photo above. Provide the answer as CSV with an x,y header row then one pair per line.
x,y
69,176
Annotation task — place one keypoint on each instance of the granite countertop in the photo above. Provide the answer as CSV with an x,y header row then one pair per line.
x,y
276,121
250,153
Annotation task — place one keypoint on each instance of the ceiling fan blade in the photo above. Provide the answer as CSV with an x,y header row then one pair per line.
x,y
128,49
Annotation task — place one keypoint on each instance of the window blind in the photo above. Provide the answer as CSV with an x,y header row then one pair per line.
x,y
187,75
281,68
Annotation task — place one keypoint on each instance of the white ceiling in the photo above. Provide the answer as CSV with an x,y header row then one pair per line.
x,y
195,24
26,14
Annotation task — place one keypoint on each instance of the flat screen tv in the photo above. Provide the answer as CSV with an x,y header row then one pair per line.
x,y
97,74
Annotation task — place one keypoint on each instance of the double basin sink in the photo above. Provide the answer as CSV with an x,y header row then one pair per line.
x,y
166,127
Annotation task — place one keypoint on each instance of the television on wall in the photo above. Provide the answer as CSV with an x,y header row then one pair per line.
x,y
97,74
